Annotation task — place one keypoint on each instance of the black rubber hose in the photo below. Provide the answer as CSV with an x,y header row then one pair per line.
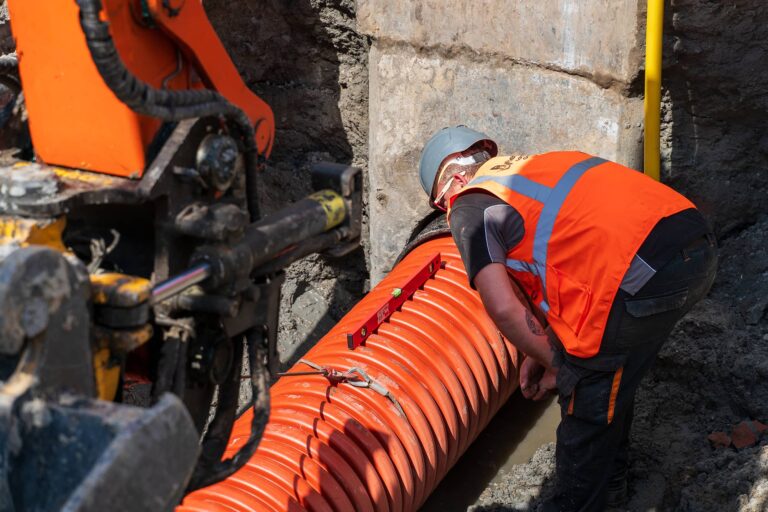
x,y
138,95
9,78
215,471
168,105
219,429
9,64
10,82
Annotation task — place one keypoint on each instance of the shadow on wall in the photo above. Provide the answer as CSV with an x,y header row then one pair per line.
x,y
714,143
305,59
295,54
716,151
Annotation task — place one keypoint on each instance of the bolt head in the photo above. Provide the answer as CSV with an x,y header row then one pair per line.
x,y
217,159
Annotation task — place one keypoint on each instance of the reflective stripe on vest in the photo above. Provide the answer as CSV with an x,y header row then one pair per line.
x,y
552,199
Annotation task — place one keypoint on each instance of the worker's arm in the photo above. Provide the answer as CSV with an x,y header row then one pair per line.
x,y
512,317
485,229
538,373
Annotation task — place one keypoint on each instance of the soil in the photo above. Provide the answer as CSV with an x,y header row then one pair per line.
x,y
715,81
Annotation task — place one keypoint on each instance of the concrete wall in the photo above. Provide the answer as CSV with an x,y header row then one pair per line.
x,y
536,76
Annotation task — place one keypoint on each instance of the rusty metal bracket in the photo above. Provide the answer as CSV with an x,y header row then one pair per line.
x,y
397,298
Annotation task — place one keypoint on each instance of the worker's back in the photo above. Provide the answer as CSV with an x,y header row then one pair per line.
x,y
585,219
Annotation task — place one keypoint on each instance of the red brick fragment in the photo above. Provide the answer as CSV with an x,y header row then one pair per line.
x,y
719,440
744,435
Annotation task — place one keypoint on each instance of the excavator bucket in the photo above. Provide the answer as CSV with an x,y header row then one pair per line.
x,y
82,455
60,447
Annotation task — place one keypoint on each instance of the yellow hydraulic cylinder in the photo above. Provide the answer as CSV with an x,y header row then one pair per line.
x,y
654,32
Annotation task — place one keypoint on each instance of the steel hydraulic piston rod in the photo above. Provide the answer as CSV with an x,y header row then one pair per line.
x,y
177,284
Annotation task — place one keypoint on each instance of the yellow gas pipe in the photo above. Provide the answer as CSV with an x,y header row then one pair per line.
x,y
652,108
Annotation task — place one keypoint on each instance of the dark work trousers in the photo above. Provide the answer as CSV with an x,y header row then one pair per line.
x,y
597,394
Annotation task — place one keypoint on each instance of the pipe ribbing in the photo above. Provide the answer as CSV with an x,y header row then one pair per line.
x,y
343,448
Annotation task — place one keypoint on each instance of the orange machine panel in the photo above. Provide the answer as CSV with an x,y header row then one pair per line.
x,y
75,120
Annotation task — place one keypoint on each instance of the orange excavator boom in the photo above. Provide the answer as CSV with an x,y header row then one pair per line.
x,y
77,121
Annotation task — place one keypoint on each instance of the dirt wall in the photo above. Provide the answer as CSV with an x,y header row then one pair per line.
x,y
715,146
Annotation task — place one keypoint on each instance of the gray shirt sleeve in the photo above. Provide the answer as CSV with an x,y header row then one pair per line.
x,y
484,228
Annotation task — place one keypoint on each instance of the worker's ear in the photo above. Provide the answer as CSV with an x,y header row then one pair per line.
x,y
470,171
462,178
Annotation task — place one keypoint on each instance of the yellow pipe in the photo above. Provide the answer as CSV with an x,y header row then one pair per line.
x,y
652,108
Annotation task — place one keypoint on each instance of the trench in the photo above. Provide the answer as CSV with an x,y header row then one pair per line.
x,y
328,82
711,373
714,149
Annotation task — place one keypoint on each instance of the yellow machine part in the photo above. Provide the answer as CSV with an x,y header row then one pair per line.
x,y
116,290
119,290
333,205
24,232
107,374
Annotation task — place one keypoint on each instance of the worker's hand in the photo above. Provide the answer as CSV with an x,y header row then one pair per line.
x,y
536,382
530,375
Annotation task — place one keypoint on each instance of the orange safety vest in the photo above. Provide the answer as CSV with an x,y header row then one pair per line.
x,y
585,218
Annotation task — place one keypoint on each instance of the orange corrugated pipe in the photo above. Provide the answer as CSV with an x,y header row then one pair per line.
x,y
342,448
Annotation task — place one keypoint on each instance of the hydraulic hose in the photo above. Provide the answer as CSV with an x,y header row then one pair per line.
x,y
437,369
9,73
9,63
168,105
212,471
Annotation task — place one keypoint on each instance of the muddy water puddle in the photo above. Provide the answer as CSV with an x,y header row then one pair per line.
x,y
514,434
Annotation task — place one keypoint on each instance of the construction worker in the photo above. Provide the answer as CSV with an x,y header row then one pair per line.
x,y
606,257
